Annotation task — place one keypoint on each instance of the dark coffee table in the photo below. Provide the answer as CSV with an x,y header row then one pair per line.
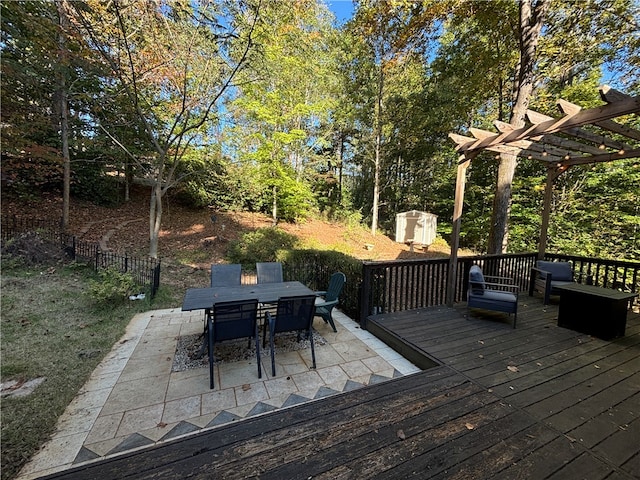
x,y
597,311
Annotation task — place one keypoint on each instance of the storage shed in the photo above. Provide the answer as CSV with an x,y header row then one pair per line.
x,y
416,227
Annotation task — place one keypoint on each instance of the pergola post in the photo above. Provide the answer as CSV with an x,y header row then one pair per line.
x,y
552,174
455,233
546,212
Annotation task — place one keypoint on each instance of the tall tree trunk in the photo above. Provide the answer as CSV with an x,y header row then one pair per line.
x,y
64,111
531,20
155,218
274,207
377,160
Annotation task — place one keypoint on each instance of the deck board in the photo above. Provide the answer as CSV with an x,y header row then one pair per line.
x,y
570,409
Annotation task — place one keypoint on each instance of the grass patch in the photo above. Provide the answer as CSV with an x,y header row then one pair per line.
x,y
51,328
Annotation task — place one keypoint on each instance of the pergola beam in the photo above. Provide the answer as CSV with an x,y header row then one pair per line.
x,y
592,115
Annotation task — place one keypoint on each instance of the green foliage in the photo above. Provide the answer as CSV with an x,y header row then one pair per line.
x,y
314,267
261,245
295,200
91,183
112,288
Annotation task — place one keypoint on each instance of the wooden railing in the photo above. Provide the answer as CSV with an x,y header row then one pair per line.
x,y
393,286
619,275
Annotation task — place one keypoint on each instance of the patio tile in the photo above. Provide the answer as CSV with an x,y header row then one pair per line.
x,y
238,373
250,393
222,418
241,410
105,446
308,380
77,420
326,392
57,451
85,455
332,374
355,368
181,409
287,363
195,382
217,400
138,368
155,331
158,431
136,393
104,428
280,386
353,350
378,365
135,440
326,356
261,407
140,419
154,347
294,399
180,429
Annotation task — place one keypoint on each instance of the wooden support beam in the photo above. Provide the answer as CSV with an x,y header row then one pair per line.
x,y
583,117
535,117
455,234
611,95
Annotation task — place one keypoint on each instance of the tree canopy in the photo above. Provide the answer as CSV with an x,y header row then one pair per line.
x,y
246,104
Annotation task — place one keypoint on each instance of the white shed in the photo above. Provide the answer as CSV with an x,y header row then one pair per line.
x,y
416,227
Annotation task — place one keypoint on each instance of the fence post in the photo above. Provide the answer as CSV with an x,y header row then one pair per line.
x,y
365,289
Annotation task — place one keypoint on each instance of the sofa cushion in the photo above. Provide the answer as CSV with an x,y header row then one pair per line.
x,y
560,271
476,279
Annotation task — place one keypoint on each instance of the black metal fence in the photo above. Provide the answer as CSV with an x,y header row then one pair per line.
x,y
145,271
399,285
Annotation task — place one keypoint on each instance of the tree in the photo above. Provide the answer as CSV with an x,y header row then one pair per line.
x,y
532,15
173,62
281,112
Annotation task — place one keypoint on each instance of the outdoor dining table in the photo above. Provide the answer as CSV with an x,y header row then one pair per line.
x,y
205,298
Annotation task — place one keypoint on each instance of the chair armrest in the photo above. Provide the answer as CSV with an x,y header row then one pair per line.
x,y
320,293
504,286
327,304
494,278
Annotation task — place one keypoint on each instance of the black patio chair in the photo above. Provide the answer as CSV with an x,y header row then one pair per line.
x,y
232,320
226,274
269,272
293,314
327,299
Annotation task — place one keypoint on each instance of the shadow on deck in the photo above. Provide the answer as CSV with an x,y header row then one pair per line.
x,y
539,402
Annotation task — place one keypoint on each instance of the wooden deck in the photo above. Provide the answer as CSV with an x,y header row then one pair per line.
x,y
539,402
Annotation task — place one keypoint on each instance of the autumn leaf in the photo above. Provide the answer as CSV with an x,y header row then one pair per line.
x,y
512,368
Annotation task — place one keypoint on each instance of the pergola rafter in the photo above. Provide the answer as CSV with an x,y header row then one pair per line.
x,y
580,136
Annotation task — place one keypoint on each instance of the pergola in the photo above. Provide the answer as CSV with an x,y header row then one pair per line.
x,y
581,136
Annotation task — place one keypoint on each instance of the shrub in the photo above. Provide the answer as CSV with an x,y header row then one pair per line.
x,y
261,245
113,287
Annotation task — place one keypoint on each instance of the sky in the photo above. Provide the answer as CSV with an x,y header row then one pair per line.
x,y
342,9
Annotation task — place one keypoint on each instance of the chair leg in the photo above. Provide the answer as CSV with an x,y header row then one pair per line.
x,y
329,318
313,350
211,353
258,353
273,351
